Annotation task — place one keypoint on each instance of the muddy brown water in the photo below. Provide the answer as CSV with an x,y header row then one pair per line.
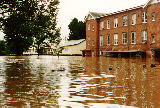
x,y
78,82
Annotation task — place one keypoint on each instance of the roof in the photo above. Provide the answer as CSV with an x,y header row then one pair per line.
x,y
137,7
96,15
72,42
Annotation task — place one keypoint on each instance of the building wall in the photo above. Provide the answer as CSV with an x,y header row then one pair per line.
x,y
74,49
152,27
93,35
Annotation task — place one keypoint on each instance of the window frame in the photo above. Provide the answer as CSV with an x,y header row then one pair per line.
x,y
101,40
92,42
133,19
115,22
124,20
92,27
152,38
144,17
88,40
133,41
108,39
116,39
88,27
124,38
153,17
108,24
101,25
144,36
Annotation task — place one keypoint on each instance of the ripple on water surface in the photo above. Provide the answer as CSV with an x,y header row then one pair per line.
x,y
49,81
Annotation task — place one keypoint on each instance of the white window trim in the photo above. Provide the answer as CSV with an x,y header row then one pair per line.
x,y
88,40
152,38
116,39
134,38
115,22
108,24
133,19
88,26
108,39
153,18
101,25
124,38
101,40
93,43
144,36
93,28
124,20
144,17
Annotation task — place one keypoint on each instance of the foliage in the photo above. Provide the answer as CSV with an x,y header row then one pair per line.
x,y
77,30
3,48
58,51
26,21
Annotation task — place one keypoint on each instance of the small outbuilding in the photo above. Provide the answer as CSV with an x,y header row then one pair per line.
x,y
74,47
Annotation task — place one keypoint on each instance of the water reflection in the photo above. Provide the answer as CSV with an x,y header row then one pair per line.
x,y
29,81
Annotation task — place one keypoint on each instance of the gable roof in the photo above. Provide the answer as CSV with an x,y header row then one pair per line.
x,y
97,15
94,15
151,2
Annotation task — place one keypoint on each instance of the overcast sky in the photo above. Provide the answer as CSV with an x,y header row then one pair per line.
x,y
68,9
80,8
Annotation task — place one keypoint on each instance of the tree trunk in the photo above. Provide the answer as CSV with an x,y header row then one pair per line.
x,y
38,50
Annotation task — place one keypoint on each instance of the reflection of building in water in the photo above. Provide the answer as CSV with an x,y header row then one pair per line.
x,y
129,82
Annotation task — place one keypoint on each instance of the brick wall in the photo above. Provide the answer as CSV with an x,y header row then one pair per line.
x,y
152,27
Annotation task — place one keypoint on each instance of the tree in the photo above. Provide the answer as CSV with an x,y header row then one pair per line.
x,y
77,30
2,48
28,21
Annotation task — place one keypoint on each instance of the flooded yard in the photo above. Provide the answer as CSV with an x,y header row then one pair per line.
x,y
77,82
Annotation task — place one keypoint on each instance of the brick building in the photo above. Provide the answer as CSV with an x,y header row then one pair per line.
x,y
134,31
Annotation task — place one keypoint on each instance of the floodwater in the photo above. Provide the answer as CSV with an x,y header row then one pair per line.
x,y
78,82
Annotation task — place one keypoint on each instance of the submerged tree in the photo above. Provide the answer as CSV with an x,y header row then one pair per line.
x,y
77,30
26,21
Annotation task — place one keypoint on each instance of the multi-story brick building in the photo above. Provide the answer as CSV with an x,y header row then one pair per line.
x,y
134,30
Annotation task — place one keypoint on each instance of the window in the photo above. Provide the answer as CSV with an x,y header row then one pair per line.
x,y
115,22
124,20
124,38
144,17
88,40
153,38
92,42
153,16
88,26
133,19
108,24
133,38
101,40
115,39
93,28
101,25
144,36
101,53
108,39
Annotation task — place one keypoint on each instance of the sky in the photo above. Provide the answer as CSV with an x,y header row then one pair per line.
x,y
69,9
